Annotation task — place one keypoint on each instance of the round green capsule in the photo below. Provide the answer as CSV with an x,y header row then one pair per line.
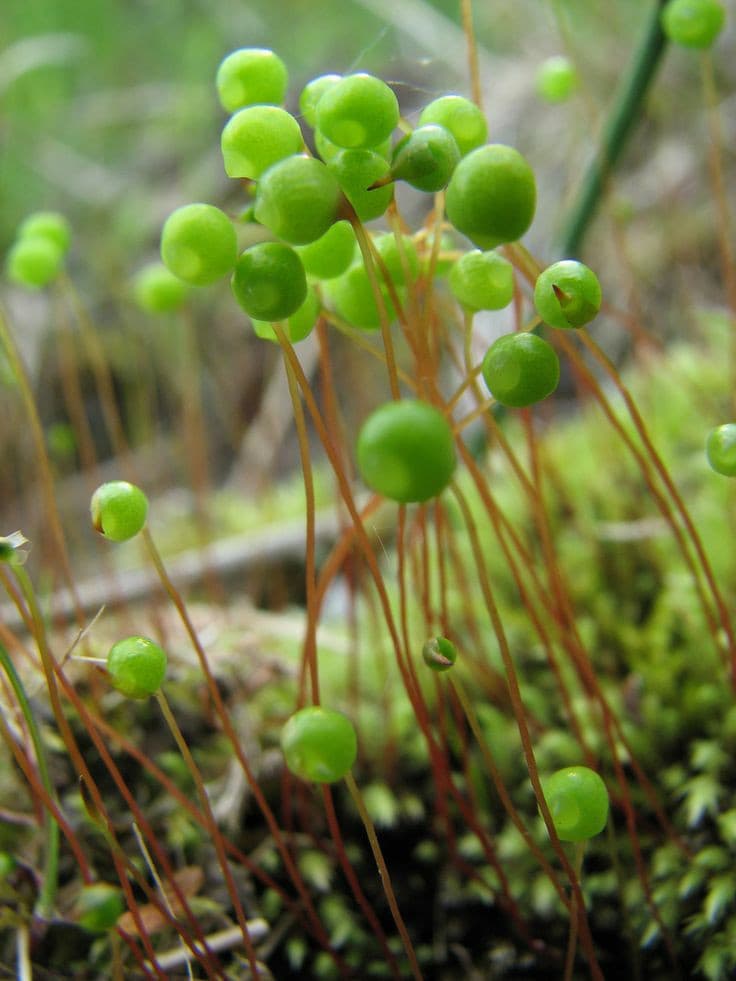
x,y
482,281
352,297
198,244
319,744
47,224
439,654
358,112
269,281
118,510
298,199
520,369
257,137
99,907
298,326
399,255
357,171
330,255
406,451
693,23
249,76
312,93
136,667
556,79
720,449
157,290
567,294
461,117
426,158
492,196
34,261
578,802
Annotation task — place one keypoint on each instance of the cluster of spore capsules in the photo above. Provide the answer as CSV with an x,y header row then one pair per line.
x,y
300,249
294,253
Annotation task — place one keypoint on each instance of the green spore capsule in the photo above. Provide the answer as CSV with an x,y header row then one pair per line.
x,y
298,199
157,290
257,137
50,225
357,171
319,744
693,23
351,296
136,667
406,451
312,93
99,907
567,294
482,281
358,112
330,255
439,654
12,548
399,255
34,261
328,150
249,76
198,244
578,802
426,158
118,510
461,117
720,449
556,79
520,369
492,196
269,281
298,326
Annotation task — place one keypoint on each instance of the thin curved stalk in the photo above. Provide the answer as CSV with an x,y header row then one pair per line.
x,y
47,895
622,118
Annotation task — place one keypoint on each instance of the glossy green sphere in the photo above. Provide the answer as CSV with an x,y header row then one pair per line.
x,y
578,802
520,369
330,255
298,199
298,326
482,281
492,196
352,297
198,244
461,117
693,23
358,112
426,158
249,76
567,294
257,137
720,449
118,510
556,79
34,261
99,906
136,667
439,654
269,281
157,290
47,224
312,93
319,744
406,451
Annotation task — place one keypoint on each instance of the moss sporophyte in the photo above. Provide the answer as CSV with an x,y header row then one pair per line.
x,y
375,772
